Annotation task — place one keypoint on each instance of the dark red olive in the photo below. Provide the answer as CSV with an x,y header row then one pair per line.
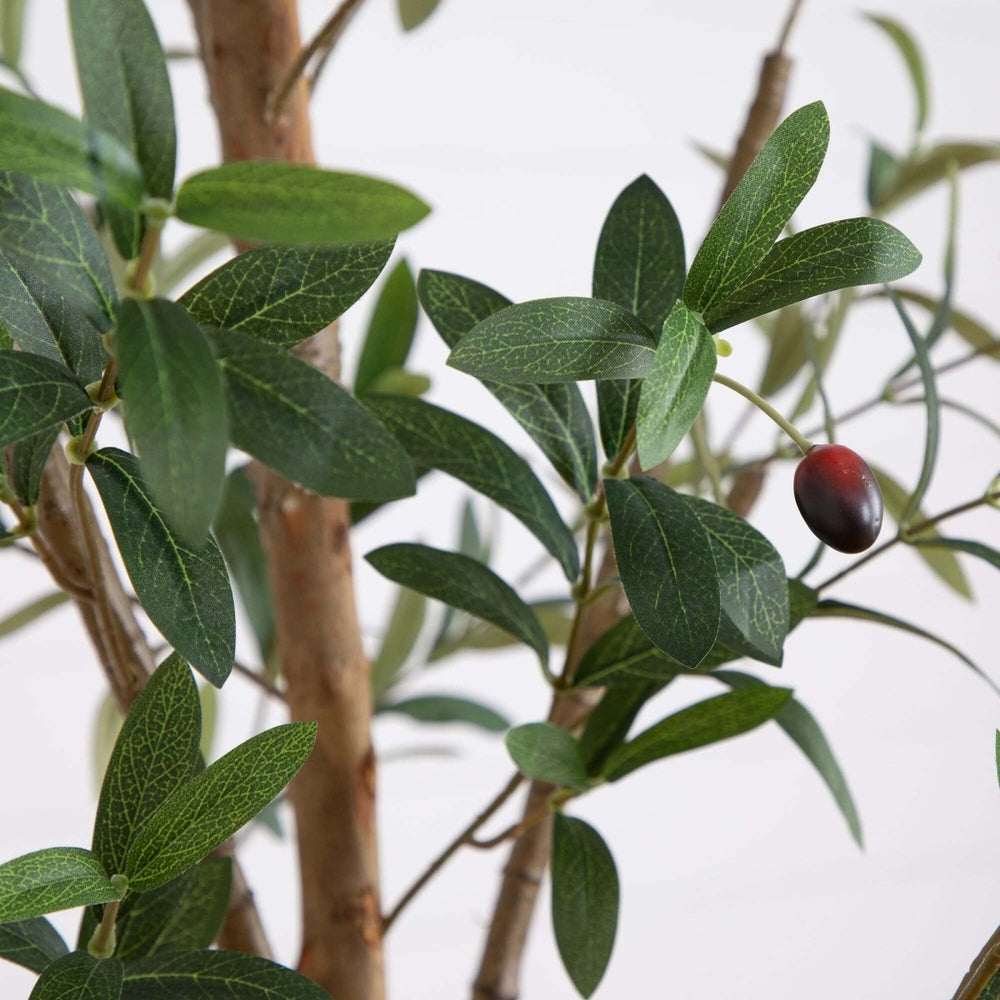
x,y
839,497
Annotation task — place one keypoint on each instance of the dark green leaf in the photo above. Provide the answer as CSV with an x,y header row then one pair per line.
x,y
184,591
215,975
28,458
292,203
198,816
823,259
609,723
556,340
584,901
413,13
802,602
401,632
839,609
907,47
35,394
972,548
80,976
439,439
942,562
301,423
175,411
932,436
547,753
617,406
61,293
640,254
798,722
236,531
12,31
667,567
883,167
31,943
285,294
55,878
676,386
752,584
126,93
51,146
919,172
463,583
445,708
554,415
705,722
154,754
184,914
970,329
757,211
391,329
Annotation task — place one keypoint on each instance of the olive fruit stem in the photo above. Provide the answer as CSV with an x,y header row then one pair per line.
x,y
765,407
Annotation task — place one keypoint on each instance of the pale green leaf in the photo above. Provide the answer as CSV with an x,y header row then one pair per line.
x,y
547,753
390,330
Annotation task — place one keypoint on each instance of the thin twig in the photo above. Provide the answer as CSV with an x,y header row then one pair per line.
x,y
260,680
786,30
321,45
512,831
465,837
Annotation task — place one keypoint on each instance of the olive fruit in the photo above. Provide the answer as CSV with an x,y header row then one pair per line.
x,y
838,497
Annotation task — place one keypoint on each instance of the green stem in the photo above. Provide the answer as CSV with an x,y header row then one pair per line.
x,y
765,407
706,459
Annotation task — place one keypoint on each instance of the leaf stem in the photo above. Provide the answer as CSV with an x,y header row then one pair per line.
x,y
706,459
463,838
766,408
102,941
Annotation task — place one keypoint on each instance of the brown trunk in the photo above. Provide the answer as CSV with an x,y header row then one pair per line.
x,y
247,47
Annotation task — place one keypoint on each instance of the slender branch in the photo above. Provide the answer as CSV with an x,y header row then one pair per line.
x,y
514,830
917,529
321,45
463,838
786,29
260,680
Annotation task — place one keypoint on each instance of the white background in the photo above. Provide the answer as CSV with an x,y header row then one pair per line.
x,y
519,123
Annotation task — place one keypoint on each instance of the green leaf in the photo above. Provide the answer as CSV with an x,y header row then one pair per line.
x,y
554,617
12,31
184,591
972,548
907,47
390,330
413,13
236,531
556,340
839,609
883,168
292,203
786,330
624,655
924,169
401,632
823,259
185,913
547,753
398,381
705,722
61,294
584,901
932,410
752,584
757,211
463,583
970,329
667,567
215,975
126,93
609,723
445,708
617,406
285,294
640,254
302,424
554,415
155,753
798,722
31,943
436,438
675,389
171,269
55,878
175,411
28,458
199,815
49,145
80,976
942,562
35,394
31,611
